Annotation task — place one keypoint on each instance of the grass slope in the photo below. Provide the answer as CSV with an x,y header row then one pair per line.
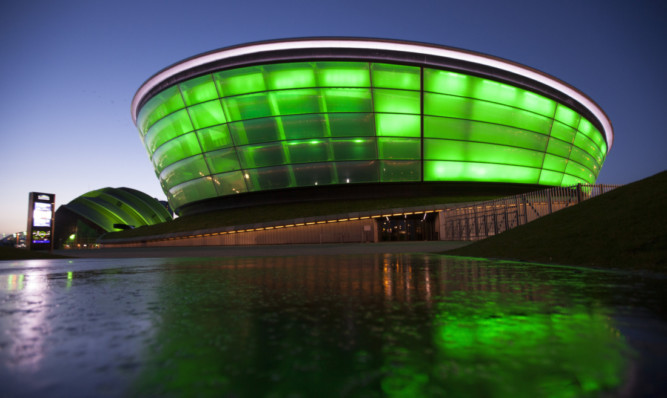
x,y
625,228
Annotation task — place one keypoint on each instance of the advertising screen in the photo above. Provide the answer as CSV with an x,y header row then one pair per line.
x,y
41,215
41,236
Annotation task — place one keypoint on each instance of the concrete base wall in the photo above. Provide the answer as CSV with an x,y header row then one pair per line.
x,y
357,231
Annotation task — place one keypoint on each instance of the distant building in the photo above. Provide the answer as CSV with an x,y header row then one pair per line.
x,y
80,222
13,240
310,119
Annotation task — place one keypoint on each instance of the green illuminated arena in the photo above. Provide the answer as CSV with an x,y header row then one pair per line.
x,y
299,115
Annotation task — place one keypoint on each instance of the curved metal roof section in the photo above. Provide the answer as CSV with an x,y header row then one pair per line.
x,y
378,50
107,206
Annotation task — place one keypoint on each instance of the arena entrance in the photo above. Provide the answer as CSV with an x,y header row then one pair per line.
x,y
408,227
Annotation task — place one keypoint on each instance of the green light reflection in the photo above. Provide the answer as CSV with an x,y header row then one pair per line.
x,y
383,325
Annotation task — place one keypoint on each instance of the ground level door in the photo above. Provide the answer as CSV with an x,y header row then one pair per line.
x,y
408,227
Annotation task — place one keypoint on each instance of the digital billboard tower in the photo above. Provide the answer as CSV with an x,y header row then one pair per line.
x,y
41,210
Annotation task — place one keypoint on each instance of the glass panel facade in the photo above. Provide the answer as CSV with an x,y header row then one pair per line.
x,y
176,149
295,124
214,138
222,161
178,123
400,170
342,74
207,114
396,76
398,125
198,90
184,170
306,175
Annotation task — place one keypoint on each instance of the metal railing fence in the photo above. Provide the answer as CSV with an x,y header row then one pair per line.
x,y
481,220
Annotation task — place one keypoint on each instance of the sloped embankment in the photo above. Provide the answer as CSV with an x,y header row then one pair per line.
x,y
625,228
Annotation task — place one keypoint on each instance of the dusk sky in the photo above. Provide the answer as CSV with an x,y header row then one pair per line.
x,y
71,68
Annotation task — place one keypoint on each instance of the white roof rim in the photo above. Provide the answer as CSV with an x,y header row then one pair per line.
x,y
369,44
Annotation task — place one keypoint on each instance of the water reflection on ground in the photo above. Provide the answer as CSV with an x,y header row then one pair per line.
x,y
348,325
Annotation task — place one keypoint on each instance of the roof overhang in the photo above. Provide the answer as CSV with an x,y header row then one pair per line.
x,y
375,50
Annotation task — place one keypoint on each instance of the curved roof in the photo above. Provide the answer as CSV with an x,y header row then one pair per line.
x,y
108,206
374,49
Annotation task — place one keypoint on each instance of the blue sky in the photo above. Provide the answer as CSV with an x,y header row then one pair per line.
x,y
70,69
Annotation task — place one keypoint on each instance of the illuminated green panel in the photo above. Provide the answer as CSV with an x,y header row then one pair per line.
x,y
548,177
201,188
357,172
396,76
602,153
468,171
269,178
597,137
354,149
161,105
490,90
176,124
600,145
185,170
347,99
352,124
536,103
304,126
494,91
399,148
445,82
480,152
248,106
586,144
554,163
291,102
470,130
582,157
214,138
586,127
563,132
400,170
396,101
569,180
222,160
291,75
342,74
446,105
255,131
559,148
207,114
240,81
307,175
315,150
501,114
252,156
176,149
464,108
200,89
230,183
567,116
580,171
392,125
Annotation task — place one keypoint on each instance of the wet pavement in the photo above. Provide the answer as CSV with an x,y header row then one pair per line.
x,y
375,325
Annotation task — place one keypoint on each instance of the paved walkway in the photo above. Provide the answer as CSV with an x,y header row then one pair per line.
x,y
267,250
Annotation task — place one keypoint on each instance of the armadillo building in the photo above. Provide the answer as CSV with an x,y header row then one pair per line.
x,y
314,118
